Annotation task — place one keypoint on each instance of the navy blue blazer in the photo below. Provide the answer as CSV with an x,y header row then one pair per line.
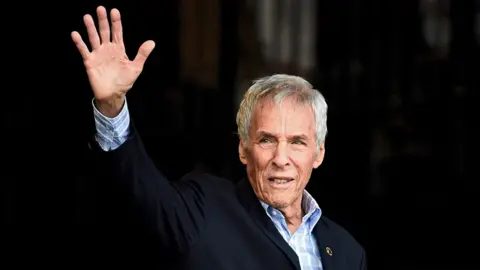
x,y
207,222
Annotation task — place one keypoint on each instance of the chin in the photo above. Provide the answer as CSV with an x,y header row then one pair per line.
x,y
279,203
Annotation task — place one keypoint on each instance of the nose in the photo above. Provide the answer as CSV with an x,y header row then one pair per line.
x,y
281,159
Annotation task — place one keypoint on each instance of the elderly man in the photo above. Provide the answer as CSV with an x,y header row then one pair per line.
x,y
266,222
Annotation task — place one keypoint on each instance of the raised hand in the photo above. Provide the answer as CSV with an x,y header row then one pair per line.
x,y
111,74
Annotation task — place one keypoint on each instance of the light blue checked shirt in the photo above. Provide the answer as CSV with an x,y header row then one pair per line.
x,y
113,132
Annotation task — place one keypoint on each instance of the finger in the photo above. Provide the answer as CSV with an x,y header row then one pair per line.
x,y
143,52
81,46
117,31
92,31
103,24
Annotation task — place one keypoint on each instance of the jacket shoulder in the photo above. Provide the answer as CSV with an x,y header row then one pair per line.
x,y
208,181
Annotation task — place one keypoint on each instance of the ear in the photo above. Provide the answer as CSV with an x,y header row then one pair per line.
x,y
242,152
320,156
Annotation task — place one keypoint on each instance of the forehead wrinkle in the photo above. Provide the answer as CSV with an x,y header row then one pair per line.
x,y
275,112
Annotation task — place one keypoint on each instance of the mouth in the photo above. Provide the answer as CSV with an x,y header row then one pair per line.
x,y
280,181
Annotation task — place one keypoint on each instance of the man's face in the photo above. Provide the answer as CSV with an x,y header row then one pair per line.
x,y
281,151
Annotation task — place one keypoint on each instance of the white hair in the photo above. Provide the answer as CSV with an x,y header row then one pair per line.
x,y
276,88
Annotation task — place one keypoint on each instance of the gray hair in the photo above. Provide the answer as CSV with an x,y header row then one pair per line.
x,y
276,88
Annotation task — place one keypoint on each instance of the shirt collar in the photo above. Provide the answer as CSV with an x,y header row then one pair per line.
x,y
312,210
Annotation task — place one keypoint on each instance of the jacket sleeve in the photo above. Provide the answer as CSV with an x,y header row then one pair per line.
x,y
175,211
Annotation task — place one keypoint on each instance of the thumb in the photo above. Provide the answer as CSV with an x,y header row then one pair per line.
x,y
143,52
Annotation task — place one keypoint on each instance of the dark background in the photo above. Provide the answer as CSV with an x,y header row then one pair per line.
x,y
399,172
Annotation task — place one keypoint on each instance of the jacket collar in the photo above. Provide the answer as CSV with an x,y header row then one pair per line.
x,y
325,240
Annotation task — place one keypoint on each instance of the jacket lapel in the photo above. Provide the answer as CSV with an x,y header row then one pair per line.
x,y
251,203
327,246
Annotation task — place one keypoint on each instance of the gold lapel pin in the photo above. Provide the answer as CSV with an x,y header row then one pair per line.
x,y
329,251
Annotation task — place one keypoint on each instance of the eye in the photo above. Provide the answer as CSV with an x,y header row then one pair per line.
x,y
265,140
298,142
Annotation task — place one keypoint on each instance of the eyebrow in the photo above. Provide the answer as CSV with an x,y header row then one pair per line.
x,y
261,134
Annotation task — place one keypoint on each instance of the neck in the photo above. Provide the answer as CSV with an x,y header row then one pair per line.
x,y
293,215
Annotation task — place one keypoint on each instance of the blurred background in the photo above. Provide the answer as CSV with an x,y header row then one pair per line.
x,y
401,78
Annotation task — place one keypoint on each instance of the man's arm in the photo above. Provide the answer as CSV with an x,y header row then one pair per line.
x,y
174,211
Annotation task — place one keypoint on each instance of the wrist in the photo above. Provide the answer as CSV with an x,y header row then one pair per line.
x,y
110,107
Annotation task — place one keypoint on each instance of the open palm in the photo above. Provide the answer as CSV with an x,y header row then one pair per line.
x,y
109,70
